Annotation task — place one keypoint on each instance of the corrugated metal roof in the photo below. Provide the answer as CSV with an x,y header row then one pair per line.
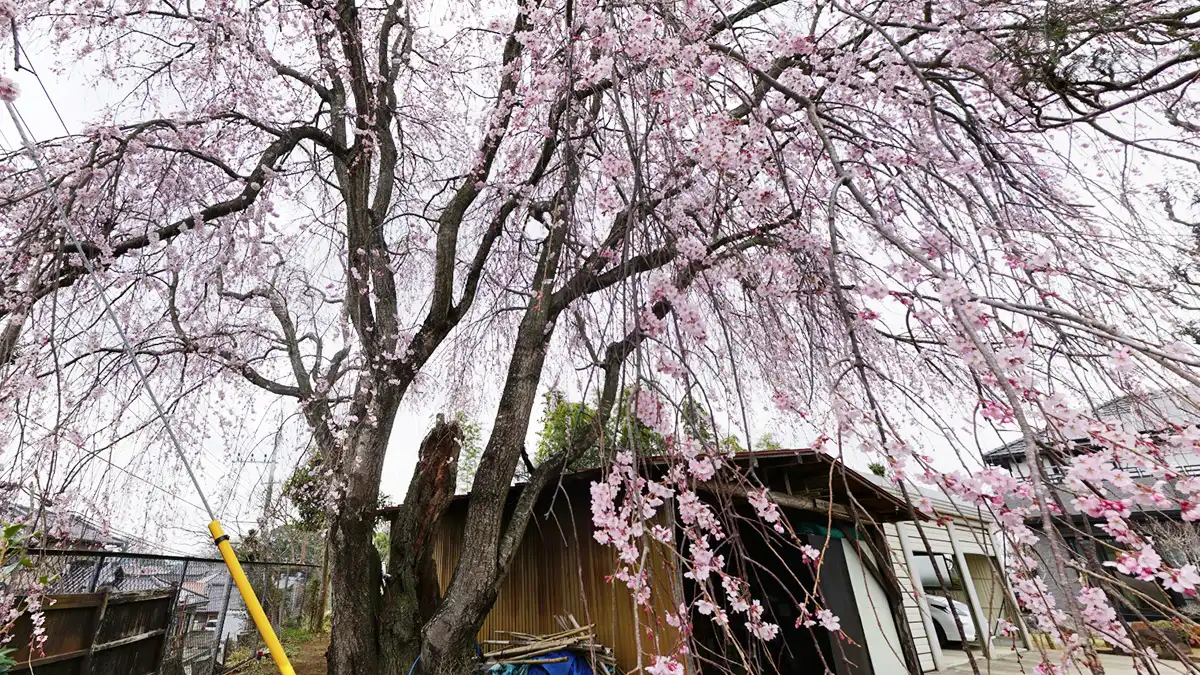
x,y
943,504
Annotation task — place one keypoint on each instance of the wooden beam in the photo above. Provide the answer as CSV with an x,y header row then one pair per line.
x,y
74,601
882,568
46,660
99,621
129,640
799,502
126,597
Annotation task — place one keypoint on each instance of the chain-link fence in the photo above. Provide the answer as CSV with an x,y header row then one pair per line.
x,y
209,621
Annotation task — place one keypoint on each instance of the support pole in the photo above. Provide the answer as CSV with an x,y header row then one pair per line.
x,y
96,575
252,604
981,622
935,648
1010,597
324,588
220,655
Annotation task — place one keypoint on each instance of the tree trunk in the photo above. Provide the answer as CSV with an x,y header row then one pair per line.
x,y
411,592
449,636
357,572
354,583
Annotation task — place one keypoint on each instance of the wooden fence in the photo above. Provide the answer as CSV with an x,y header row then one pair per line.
x,y
99,634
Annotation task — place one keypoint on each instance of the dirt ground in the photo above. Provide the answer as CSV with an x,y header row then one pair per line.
x,y
309,657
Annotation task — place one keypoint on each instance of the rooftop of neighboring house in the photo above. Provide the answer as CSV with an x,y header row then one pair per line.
x,y
1146,414
943,504
801,473
68,529
1142,414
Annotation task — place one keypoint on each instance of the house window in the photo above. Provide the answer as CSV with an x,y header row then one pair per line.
x,y
929,565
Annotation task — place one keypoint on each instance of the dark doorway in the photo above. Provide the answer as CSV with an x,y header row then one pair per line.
x,y
780,580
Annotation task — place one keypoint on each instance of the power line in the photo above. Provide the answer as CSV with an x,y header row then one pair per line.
x,y
41,84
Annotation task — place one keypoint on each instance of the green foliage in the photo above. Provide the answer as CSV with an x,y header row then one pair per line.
x,y
13,540
564,421
731,444
767,443
289,635
469,452
293,639
878,469
381,543
12,550
293,542
305,489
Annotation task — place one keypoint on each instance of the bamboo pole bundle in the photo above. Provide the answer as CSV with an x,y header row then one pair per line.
x,y
523,648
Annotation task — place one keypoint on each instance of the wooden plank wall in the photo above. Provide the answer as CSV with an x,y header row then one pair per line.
x,y
561,569
94,633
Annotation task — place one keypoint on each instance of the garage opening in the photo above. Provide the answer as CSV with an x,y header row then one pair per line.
x,y
781,579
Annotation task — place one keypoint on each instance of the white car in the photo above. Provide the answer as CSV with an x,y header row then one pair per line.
x,y
943,623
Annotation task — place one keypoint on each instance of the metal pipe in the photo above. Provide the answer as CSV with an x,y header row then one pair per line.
x,y
252,604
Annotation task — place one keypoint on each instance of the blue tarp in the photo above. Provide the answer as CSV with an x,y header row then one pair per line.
x,y
574,665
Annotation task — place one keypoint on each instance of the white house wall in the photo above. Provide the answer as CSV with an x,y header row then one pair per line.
x,y
911,609
973,536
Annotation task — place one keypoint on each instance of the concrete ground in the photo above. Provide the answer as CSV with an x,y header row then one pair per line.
x,y
1023,663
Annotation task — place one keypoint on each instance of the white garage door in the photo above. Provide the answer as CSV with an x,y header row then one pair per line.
x,y
883,640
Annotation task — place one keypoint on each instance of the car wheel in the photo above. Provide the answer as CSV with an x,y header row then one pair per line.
x,y
941,635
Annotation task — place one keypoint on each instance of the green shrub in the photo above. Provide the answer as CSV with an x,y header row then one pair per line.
x,y
1165,637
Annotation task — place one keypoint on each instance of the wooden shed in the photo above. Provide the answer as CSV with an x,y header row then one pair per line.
x,y
560,569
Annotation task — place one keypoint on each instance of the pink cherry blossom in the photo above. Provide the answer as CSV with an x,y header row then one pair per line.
x,y
9,91
828,620
665,665
810,554
1143,563
1183,580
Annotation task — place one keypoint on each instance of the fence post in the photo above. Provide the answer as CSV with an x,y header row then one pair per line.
x,y
179,592
221,623
96,574
169,640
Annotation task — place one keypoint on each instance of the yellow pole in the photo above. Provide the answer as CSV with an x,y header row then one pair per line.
x,y
251,600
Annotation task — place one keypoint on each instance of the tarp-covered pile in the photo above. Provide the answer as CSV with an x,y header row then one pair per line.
x,y
570,652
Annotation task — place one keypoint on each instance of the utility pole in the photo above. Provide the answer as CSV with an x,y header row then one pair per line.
x,y
324,589
263,520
